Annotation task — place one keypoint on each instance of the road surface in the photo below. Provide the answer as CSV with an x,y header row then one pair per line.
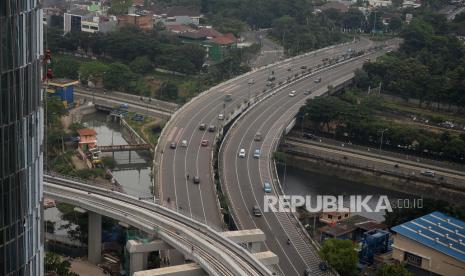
x,y
244,178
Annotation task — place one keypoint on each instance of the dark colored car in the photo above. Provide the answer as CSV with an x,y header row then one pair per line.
x,y
211,128
256,211
202,126
196,179
323,266
308,135
173,145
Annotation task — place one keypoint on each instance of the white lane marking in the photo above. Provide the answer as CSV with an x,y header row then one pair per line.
x,y
269,153
179,135
263,74
243,201
172,133
277,103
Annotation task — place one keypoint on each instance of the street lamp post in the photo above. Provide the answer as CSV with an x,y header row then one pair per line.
x,y
302,124
382,135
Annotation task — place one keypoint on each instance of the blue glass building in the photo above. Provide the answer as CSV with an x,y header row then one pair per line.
x,y
21,138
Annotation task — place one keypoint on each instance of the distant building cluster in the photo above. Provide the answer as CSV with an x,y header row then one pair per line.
x,y
95,16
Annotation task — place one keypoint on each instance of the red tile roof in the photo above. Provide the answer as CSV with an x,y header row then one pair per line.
x,y
137,2
87,132
231,36
209,32
178,28
223,40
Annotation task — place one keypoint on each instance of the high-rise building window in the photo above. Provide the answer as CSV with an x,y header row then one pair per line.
x,y
21,244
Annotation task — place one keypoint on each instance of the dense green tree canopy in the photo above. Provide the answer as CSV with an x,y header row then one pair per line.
x,y
118,76
341,255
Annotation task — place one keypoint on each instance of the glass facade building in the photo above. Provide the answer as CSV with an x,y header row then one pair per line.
x,y
21,138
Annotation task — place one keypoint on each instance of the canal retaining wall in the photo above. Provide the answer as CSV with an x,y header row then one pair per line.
x,y
356,173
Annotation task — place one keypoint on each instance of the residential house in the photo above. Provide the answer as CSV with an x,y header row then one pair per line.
x,y
87,139
144,22
217,45
431,245
351,228
178,16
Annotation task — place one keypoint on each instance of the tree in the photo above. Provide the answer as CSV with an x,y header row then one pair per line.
x,y
141,65
92,71
195,54
118,76
53,263
395,24
65,67
168,91
393,270
109,162
324,110
341,255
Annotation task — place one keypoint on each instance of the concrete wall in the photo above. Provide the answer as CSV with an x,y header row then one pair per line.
x,y
368,177
432,260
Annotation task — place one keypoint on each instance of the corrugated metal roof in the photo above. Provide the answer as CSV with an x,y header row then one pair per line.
x,y
437,231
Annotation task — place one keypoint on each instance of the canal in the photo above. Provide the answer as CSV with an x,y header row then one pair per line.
x,y
132,170
307,183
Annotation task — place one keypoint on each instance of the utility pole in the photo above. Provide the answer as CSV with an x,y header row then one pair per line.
x,y
381,142
302,124
374,25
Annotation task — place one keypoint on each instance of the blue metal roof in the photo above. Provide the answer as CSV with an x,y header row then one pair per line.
x,y
437,231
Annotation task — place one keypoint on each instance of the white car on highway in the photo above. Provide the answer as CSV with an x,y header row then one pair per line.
x,y
292,93
242,153
221,116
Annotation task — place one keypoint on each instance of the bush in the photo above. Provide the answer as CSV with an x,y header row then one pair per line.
x,y
341,255
109,162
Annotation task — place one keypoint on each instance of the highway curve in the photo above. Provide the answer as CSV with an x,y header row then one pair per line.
x,y
243,178
173,165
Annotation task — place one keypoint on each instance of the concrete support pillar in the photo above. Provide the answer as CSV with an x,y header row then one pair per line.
x,y
95,238
255,247
138,262
139,252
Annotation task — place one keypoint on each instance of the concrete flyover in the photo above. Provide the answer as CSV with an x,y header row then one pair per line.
x,y
146,106
172,166
212,251
243,178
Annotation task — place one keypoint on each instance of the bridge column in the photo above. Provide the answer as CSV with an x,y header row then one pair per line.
x,y
138,253
255,247
94,253
137,262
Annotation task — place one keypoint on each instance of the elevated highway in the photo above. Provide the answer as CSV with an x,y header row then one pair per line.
x,y
243,178
214,252
200,200
173,165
